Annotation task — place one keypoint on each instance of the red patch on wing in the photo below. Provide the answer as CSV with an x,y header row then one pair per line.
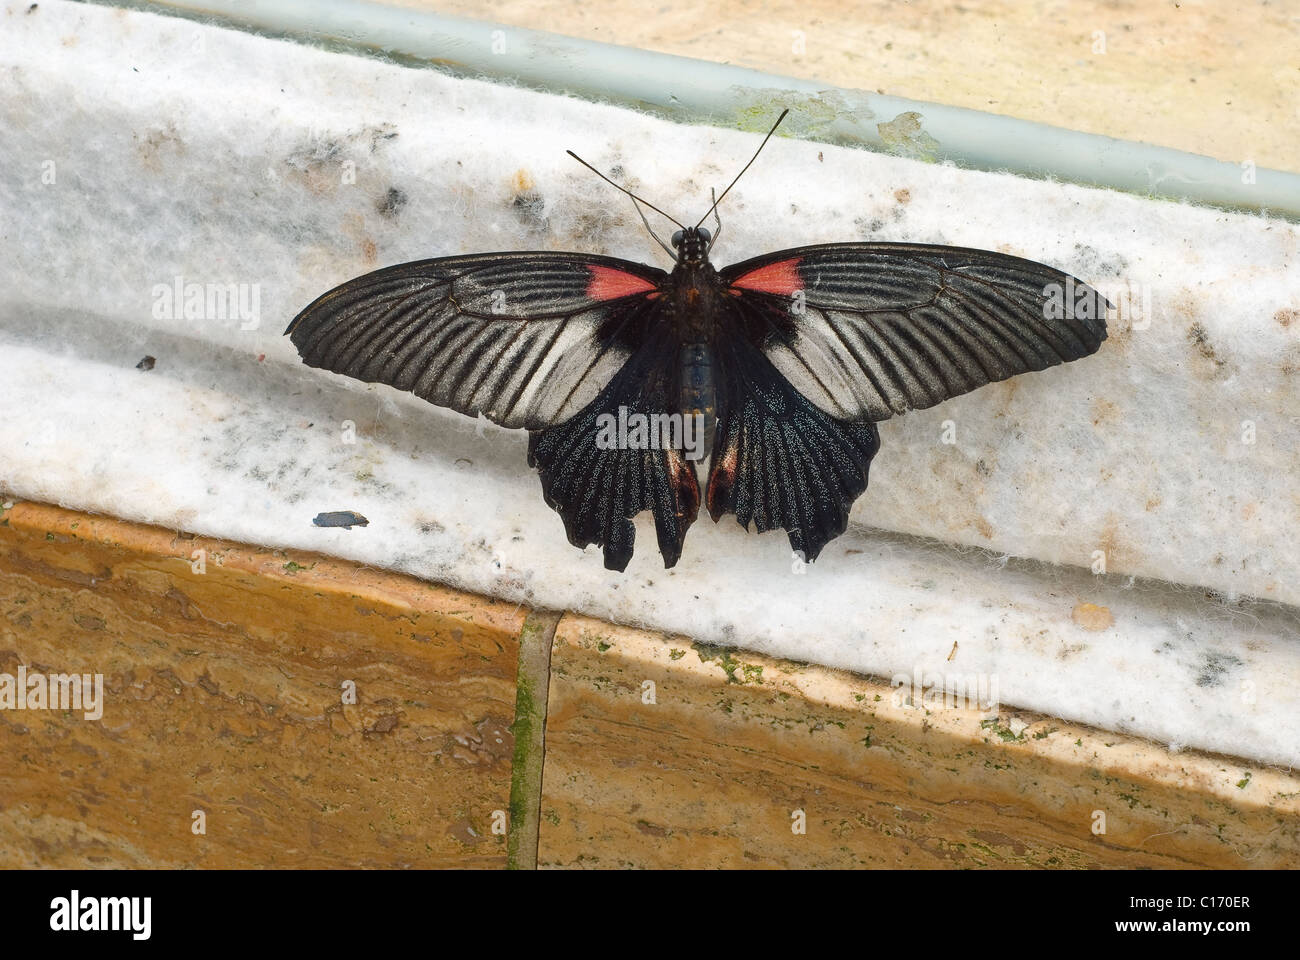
x,y
781,278
681,477
721,478
608,283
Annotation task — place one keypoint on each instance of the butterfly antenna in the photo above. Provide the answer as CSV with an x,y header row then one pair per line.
x,y
650,230
713,209
635,198
716,219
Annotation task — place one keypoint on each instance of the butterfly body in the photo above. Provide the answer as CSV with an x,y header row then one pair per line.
x,y
696,295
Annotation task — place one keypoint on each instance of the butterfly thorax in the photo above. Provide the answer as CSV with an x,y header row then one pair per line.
x,y
694,292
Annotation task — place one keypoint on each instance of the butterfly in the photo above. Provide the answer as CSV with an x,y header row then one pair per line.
x,y
776,369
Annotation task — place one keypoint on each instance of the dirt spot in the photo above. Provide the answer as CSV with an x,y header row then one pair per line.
x,y
157,146
1118,554
1199,339
1092,617
1209,363
355,229
523,182
489,743
391,203
1286,317
1214,667
1103,410
528,203
903,196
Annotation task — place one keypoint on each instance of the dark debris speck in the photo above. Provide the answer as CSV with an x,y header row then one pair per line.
x,y
392,202
341,518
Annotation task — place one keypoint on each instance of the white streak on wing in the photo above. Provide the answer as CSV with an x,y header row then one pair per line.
x,y
567,366
836,384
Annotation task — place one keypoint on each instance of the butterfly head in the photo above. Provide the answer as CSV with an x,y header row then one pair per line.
x,y
692,244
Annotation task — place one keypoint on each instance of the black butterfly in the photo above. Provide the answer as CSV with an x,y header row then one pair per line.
x,y
778,367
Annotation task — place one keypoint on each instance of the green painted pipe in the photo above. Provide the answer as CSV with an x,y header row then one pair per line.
x,y
697,91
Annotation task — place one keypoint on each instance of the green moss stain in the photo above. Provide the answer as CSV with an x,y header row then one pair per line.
x,y
736,670
1003,733
905,136
532,681
523,730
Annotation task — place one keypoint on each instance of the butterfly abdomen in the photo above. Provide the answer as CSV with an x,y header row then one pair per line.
x,y
698,394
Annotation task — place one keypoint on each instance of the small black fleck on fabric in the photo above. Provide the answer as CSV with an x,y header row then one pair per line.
x,y
392,202
146,363
530,208
341,518
1214,667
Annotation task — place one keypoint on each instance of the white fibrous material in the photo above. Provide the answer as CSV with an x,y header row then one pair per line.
x,y
180,191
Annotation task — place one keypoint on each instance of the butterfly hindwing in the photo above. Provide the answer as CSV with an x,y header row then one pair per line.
x,y
598,490
526,339
870,330
778,460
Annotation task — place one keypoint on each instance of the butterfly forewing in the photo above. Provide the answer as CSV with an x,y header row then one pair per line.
x,y
526,339
870,330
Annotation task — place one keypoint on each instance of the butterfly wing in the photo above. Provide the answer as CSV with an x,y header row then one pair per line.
x,y
526,339
869,330
546,341
821,342
778,460
596,488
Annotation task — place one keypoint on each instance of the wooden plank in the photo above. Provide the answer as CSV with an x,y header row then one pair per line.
x,y
224,694
714,772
